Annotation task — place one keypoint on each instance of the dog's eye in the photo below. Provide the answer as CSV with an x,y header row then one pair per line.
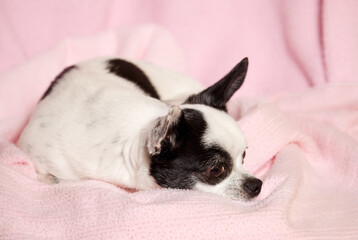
x,y
243,157
215,171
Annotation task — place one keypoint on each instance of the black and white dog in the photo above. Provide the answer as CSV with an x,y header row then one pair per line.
x,y
139,126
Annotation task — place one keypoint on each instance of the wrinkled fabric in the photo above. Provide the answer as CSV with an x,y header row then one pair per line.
x,y
298,110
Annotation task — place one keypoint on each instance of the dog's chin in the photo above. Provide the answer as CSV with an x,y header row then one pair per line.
x,y
239,195
234,193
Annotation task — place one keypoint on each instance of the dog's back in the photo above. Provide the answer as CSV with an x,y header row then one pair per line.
x,y
140,126
98,110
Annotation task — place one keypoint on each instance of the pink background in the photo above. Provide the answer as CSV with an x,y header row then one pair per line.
x,y
304,146
291,45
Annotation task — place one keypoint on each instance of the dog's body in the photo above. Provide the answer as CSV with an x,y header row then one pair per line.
x,y
139,126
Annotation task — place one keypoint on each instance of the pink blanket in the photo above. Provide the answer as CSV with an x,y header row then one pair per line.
x,y
304,146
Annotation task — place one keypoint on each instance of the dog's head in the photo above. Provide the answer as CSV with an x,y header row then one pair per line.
x,y
199,146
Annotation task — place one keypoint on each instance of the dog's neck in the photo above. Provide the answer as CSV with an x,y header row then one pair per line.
x,y
137,161
134,150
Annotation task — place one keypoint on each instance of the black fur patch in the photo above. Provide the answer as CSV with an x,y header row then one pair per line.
x,y
188,163
219,94
134,74
206,99
58,77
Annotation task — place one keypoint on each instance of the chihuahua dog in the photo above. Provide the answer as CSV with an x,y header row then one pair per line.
x,y
140,126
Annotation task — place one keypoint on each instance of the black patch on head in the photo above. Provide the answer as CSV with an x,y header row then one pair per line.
x,y
58,77
206,99
182,166
134,74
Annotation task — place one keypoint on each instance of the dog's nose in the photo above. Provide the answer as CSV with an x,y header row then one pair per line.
x,y
252,186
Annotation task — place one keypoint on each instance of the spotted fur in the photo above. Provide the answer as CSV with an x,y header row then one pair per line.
x,y
139,126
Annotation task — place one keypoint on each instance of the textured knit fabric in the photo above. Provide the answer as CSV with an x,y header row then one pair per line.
x,y
307,158
302,139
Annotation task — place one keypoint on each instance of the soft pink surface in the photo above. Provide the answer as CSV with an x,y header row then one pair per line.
x,y
304,146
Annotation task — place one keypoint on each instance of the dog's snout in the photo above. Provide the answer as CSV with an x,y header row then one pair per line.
x,y
252,186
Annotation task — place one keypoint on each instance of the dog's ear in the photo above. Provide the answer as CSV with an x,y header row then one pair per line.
x,y
165,136
220,93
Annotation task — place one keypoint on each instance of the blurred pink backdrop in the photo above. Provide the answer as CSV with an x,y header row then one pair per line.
x,y
292,45
306,145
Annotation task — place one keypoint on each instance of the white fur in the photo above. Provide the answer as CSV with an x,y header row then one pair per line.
x,y
94,125
173,87
108,120
223,130
230,186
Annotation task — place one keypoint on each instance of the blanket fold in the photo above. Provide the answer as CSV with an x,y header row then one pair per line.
x,y
310,188
304,146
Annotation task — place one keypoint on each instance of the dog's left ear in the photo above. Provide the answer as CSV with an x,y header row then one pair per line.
x,y
219,94
165,136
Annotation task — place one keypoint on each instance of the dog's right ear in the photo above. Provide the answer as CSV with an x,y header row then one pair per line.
x,y
165,136
219,94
